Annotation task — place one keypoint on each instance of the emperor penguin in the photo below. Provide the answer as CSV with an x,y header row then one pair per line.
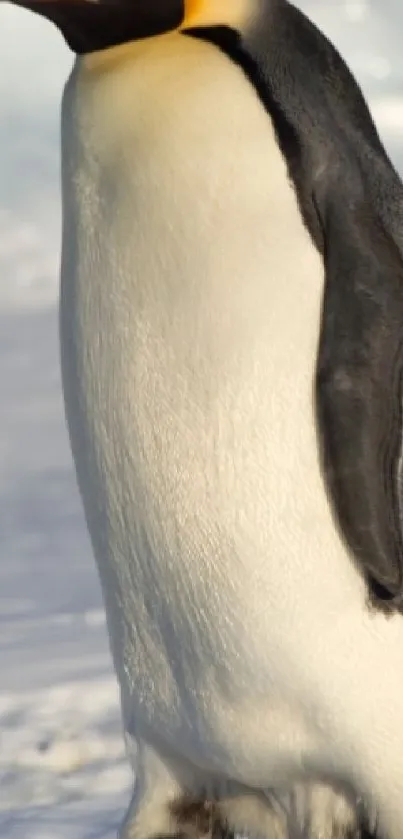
x,y
231,324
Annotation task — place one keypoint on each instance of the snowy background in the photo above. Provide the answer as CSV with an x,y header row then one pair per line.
x,y
62,769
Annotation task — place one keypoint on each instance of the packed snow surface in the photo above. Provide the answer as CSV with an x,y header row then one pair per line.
x,y
63,774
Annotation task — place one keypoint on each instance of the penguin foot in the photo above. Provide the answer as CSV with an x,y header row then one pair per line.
x,y
199,818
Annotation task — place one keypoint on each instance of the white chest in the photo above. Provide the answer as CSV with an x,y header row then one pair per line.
x,y
190,315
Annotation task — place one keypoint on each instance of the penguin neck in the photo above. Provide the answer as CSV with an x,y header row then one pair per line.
x,y
108,60
234,14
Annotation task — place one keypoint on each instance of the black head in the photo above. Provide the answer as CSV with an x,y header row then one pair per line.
x,y
91,25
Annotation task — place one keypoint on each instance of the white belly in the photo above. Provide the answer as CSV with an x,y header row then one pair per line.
x,y
190,314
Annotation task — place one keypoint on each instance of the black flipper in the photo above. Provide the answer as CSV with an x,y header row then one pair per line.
x,y
351,200
359,390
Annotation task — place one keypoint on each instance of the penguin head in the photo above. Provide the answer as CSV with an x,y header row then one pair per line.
x,y
92,25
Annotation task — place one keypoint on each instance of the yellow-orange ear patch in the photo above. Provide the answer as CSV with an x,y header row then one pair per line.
x,y
193,9
218,12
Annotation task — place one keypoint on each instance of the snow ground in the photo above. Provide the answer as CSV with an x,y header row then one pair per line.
x,y
62,768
